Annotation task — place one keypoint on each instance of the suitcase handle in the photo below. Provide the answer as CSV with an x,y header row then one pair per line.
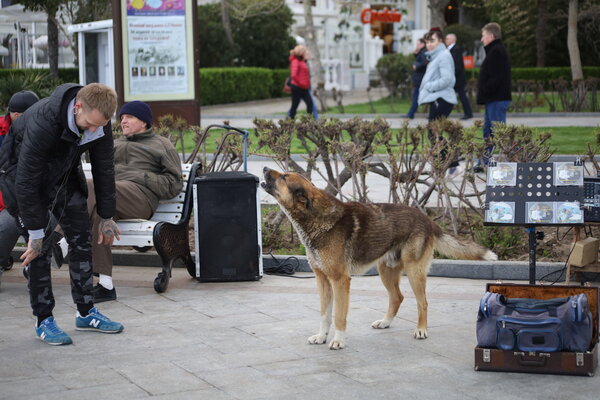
x,y
531,360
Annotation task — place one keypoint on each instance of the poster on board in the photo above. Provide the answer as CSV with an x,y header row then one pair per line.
x,y
158,50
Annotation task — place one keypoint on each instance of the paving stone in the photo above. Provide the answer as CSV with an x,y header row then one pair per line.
x,y
162,378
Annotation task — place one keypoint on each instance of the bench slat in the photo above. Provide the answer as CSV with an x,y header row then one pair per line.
x,y
134,240
168,217
169,208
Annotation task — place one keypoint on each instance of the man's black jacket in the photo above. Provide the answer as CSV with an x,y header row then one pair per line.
x,y
41,156
494,76
459,67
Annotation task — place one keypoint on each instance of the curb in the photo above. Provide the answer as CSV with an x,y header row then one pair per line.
x,y
465,269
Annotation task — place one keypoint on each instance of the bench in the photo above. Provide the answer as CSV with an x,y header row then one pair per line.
x,y
166,230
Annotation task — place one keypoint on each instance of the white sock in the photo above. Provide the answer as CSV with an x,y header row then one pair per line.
x,y
106,281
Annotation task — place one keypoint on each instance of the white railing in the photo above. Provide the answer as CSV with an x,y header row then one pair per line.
x,y
337,74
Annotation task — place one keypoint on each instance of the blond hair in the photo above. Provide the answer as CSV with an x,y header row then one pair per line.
x,y
300,51
97,96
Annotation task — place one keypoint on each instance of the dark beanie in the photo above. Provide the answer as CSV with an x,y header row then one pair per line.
x,y
138,109
21,101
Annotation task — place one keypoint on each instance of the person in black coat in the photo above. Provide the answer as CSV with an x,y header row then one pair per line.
x,y
419,67
459,73
494,83
40,171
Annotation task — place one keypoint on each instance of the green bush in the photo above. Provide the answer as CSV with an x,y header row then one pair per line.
x,y
466,36
232,85
64,74
545,74
395,71
279,77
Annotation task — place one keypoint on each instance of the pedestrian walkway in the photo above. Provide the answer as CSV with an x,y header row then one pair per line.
x,y
247,340
241,115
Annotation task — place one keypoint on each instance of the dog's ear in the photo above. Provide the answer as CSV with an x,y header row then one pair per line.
x,y
300,195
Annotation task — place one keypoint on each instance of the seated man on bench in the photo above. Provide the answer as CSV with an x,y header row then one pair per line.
x,y
147,169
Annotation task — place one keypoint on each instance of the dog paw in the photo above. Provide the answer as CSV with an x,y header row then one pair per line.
x,y
339,341
381,324
420,333
317,339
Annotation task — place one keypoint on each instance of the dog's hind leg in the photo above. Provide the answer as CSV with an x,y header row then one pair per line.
x,y
390,276
341,297
417,276
325,296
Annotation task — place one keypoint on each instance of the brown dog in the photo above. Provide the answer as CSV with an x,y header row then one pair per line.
x,y
349,238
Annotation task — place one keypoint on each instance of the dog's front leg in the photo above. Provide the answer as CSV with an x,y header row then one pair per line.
x,y
341,297
326,299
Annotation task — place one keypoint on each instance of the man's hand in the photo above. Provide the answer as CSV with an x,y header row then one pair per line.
x,y
34,249
107,231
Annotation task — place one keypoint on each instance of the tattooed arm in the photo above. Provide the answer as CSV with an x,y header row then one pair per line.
x,y
34,249
108,231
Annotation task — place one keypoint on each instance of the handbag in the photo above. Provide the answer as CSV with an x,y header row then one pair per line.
x,y
560,324
286,85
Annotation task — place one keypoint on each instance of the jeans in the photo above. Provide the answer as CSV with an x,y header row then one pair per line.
x,y
315,111
414,103
495,111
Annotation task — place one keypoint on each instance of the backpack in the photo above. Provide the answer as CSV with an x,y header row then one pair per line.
x,y
560,324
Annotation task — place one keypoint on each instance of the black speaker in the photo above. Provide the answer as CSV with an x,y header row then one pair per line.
x,y
228,229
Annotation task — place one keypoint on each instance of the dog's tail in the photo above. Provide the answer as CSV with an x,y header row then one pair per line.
x,y
452,246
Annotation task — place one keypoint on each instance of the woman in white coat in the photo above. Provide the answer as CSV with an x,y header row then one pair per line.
x,y
437,87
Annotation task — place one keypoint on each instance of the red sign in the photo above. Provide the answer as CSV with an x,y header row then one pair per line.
x,y
469,62
368,16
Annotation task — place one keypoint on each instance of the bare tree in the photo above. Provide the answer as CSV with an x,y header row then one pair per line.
x,y
540,32
315,59
437,8
572,44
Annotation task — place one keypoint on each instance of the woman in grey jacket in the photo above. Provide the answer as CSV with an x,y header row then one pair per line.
x,y
437,87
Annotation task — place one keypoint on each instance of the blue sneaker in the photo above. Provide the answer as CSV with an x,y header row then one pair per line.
x,y
95,321
50,333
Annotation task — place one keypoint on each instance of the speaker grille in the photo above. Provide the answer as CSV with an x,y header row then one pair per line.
x,y
228,242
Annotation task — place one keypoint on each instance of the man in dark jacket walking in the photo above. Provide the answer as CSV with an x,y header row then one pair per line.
x,y
494,84
147,169
459,73
419,67
40,170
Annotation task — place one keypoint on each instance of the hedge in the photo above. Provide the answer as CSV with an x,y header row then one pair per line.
x,y
232,85
544,74
64,74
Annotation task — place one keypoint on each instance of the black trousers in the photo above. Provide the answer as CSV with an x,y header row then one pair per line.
x,y
71,212
464,99
300,94
440,109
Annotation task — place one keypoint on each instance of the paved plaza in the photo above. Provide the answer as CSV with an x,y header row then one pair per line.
x,y
247,340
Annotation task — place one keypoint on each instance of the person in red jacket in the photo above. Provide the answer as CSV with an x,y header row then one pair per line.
x,y
19,102
300,80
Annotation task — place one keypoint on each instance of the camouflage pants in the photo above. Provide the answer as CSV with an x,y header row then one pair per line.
x,y
73,217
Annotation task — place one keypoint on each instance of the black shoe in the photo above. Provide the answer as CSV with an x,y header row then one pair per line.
x,y
408,116
478,169
9,265
101,294
466,117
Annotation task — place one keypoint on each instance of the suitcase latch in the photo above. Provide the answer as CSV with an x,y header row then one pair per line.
x,y
579,359
486,355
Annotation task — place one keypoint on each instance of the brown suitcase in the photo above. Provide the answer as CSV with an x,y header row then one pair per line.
x,y
567,363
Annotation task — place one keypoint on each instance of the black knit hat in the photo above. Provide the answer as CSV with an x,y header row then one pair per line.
x,y
21,101
138,109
